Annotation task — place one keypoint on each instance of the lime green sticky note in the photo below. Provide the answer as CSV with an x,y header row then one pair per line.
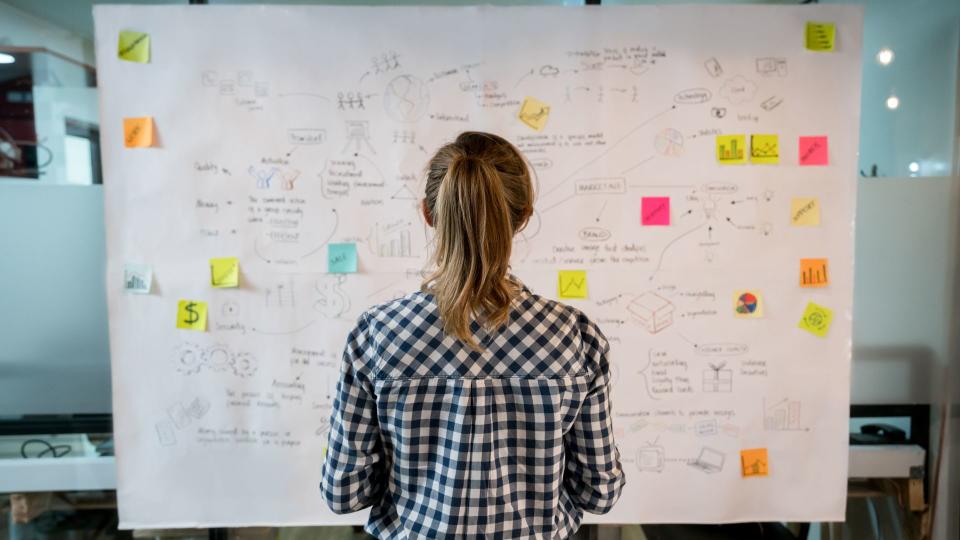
x,y
134,47
820,36
572,284
730,149
225,272
765,149
816,319
192,315
342,258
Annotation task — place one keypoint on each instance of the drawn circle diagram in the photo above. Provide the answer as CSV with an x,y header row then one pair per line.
x,y
406,98
668,142
188,358
747,304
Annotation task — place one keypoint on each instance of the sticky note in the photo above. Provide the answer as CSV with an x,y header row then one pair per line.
x,y
820,36
137,278
134,47
747,304
813,150
816,319
192,315
813,273
342,258
805,212
655,211
138,132
731,149
572,284
225,272
534,113
753,462
764,149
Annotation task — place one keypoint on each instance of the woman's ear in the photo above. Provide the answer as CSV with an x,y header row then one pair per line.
x,y
426,212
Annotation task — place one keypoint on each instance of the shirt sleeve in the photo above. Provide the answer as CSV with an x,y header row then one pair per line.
x,y
354,475
594,478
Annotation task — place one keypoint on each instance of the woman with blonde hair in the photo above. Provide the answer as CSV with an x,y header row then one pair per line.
x,y
473,408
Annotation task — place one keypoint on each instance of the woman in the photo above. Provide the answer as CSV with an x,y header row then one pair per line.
x,y
473,408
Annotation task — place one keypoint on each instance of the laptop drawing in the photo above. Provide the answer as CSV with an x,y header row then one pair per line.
x,y
709,460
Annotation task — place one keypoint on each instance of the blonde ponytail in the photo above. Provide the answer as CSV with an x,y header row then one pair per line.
x,y
478,195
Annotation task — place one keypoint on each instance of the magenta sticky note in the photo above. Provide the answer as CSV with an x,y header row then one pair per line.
x,y
813,150
655,211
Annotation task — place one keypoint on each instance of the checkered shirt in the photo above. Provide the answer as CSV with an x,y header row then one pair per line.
x,y
513,441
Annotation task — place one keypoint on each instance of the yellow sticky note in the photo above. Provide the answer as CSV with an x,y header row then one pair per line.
x,y
572,284
192,315
764,149
820,36
138,132
134,47
813,273
225,272
731,149
804,212
534,113
747,304
816,319
753,462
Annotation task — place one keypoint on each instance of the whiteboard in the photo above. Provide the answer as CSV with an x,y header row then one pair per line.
x,y
280,130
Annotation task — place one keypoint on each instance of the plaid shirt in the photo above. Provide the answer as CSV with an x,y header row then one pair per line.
x,y
513,441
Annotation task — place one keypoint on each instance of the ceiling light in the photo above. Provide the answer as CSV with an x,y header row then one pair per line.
x,y
885,56
7,58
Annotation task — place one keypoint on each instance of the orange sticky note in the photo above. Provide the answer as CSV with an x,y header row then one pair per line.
x,y
813,273
138,132
753,462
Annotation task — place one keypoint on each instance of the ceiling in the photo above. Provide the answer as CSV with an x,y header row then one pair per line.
x,y
73,15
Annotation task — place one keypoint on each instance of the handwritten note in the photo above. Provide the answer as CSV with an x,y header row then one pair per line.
x,y
192,315
820,36
765,149
816,319
805,212
747,304
731,149
753,462
534,113
813,150
138,132
813,273
572,284
137,278
134,47
225,272
342,258
655,211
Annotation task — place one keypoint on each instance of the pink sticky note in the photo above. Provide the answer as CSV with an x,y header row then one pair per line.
x,y
655,211
813,150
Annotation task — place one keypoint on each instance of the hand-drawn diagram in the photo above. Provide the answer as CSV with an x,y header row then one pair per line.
x,y
653,311
190,359
406,98
709,460
665,153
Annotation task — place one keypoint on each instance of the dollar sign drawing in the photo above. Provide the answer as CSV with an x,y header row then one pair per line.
x,y
193,316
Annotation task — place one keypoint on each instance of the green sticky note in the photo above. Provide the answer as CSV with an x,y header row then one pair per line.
x,y
225,272
134,47
816,319
572,284
820,36
342,258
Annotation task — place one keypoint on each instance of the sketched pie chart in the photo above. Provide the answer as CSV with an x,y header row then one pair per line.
x,y
669,142
406,98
